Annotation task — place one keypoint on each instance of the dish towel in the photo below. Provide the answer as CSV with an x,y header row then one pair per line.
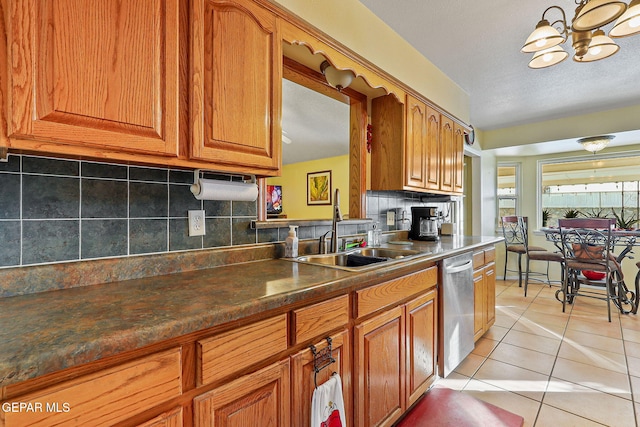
x,y
327,405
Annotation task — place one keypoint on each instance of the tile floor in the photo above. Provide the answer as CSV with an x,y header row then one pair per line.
x,y
553,368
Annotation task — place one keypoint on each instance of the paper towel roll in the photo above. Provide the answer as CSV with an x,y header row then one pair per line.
x,y
211,189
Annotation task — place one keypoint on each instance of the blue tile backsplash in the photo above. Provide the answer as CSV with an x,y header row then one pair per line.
x,y
54,210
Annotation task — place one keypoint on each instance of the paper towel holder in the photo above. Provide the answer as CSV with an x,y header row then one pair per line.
x,y
198,178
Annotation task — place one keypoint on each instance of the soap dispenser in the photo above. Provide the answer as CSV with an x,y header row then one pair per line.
x,y
374,235
291,243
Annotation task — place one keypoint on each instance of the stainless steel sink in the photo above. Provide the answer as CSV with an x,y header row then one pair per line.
x,y
359,259
339,259
386,252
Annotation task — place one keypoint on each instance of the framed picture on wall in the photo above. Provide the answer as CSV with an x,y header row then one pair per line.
x,y
319,188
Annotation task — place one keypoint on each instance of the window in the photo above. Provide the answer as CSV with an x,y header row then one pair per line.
x,y
508,189
601,187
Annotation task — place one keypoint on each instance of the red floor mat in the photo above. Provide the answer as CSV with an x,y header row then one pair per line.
x,y
442,406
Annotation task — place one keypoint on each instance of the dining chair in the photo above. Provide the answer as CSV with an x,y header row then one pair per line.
x,y
514,242
537,253
637,288
587,248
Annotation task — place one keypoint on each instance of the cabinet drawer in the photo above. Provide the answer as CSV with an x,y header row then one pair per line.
x,y
318,319
389,293
235,350
478,259
106,397
489,255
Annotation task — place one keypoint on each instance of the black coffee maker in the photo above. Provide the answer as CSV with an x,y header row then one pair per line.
x,y
425,223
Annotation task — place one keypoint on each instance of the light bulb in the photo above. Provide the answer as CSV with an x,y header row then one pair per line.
x,y
547,57
635,22
595,50
540,43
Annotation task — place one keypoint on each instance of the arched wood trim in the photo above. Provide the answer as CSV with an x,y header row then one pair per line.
x,y
294,35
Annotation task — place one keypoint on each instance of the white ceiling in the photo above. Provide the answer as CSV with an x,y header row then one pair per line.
x,y
477,44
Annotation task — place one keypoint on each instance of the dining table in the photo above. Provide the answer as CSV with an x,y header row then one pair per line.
x,y
623,239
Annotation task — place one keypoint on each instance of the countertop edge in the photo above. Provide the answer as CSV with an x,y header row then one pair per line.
x,y
12,371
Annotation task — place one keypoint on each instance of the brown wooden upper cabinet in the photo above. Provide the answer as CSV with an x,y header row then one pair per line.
x,y
447,159
428,157
422,145
236,84
96,75
170,83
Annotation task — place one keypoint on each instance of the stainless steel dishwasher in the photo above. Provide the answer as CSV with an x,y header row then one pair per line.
x,y
457,310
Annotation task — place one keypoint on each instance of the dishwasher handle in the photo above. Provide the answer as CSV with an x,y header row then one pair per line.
x,y
458,268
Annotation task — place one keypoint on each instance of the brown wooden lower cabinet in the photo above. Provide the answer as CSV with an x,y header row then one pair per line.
x,y
490,300
106,397
171,418
302,381
479,290
379,369
262,396
383,340
421,329
395,360
484,280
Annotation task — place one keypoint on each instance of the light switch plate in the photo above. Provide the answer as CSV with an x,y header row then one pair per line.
x,y
196,223
391,217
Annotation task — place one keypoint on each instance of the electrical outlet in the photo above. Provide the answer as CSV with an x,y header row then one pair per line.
x,y
391,217
196,223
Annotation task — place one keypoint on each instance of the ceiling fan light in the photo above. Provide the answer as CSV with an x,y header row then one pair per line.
x,y
595,143
629,23
543,37
596,13
600,47
548,57
285,138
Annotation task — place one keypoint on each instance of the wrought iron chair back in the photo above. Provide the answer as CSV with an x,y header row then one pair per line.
x,y
587,245
587,240
513,231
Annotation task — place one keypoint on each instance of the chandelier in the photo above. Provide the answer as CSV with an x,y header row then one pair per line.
x,y
587,37
595,143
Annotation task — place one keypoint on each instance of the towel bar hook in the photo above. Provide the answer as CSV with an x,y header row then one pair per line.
x,y
321,359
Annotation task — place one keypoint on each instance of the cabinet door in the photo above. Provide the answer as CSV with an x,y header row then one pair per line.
x,y
302,373
458,158
260,398
236,57
432,175
172,418
415,145
379,369
96,74
447,153
479,304
421,331
490,292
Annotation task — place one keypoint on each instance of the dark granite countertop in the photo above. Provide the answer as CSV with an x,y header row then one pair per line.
x,y
48,331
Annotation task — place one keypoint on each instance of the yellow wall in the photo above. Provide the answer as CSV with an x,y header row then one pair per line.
x,y
294,187
355,26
